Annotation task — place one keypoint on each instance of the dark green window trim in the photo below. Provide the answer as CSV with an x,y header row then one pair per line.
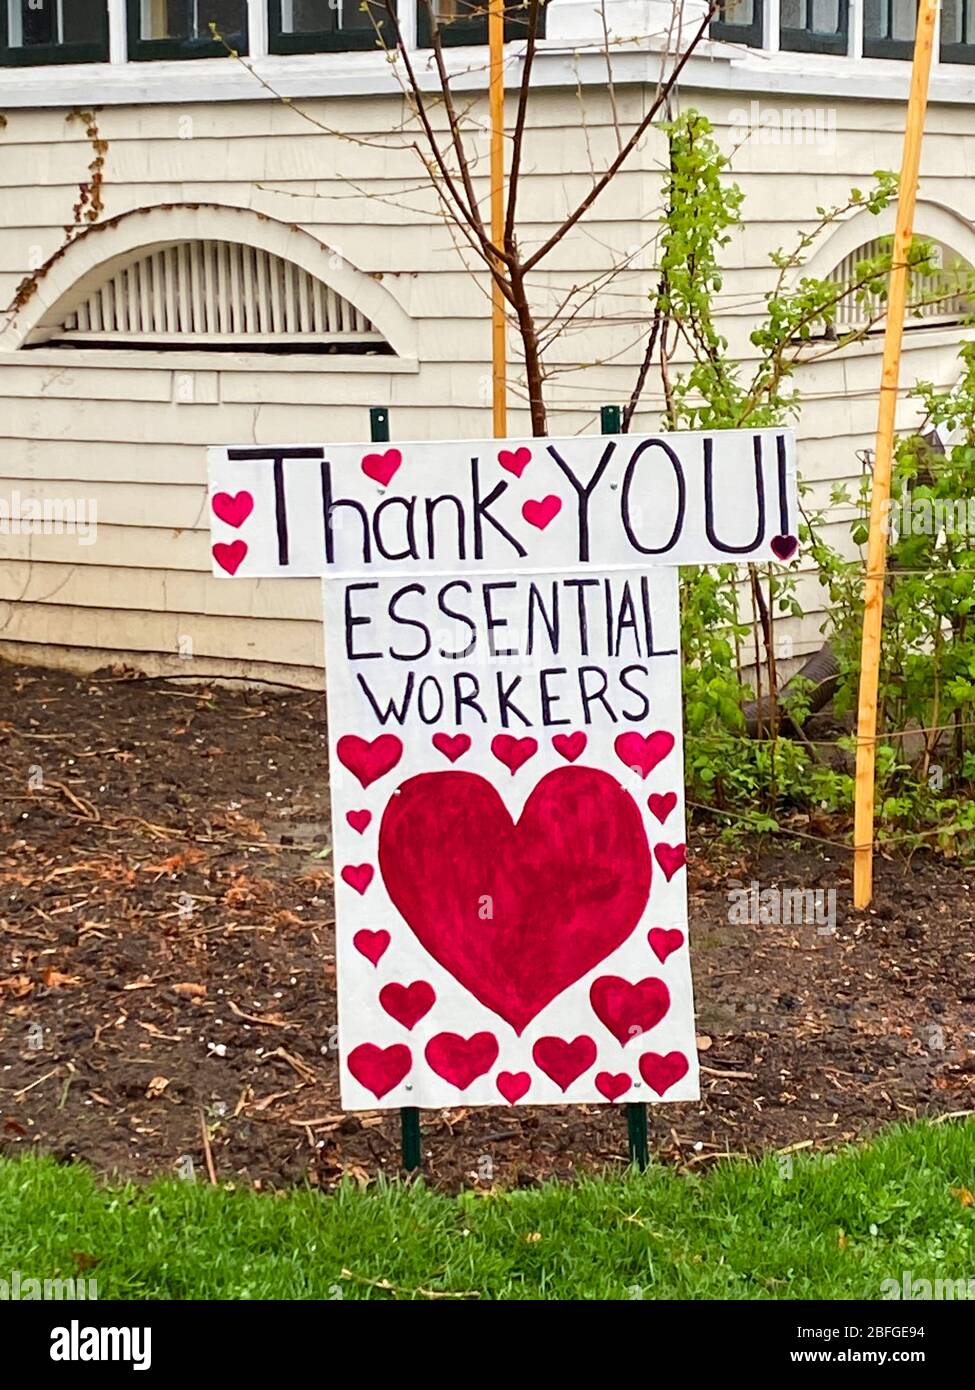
x,y
328,41
750,34
151,50
468,32
876,46
37,55
809,40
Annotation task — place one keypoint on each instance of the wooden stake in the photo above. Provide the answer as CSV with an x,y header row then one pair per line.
x,y
499,364
873,589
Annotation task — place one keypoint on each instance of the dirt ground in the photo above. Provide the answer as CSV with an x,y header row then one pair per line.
x,y
167,978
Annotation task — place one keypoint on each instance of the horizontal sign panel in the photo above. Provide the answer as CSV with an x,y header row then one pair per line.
x,y
605,501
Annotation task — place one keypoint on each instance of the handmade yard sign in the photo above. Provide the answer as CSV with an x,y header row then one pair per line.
x,y
503,684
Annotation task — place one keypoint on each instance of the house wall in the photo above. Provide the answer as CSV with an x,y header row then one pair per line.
x,y
122,428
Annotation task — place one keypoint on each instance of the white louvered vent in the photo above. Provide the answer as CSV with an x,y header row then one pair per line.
x,y
218,293
925,285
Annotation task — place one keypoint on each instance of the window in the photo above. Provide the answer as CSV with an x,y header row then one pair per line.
x,y
321,26
53,31
738,20
466,21
958,31
938,291
888,28
814,26
181,28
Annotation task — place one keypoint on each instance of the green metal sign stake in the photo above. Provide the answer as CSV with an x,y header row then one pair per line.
x,y
409,1115
610,419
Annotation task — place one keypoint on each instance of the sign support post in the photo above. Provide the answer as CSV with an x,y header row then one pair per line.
x,y
873,590
496,90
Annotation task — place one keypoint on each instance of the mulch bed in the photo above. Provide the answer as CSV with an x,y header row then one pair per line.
x,y
167,978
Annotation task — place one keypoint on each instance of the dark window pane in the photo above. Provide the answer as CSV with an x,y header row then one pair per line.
x,y
51,23
957,24
891,20
814,16
83,21
190,19
736,12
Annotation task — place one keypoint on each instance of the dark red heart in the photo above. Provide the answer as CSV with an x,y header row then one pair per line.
x,y
642,752
662,805
513,1085
461,1060
570,746
359,820
371,944
660,1073
784,547
407,1003
516,912
611,1085
379,1069
381,467
230,557
629,1011
513,751
358,876
664,943
670,858
369,761
234,508
515,460
452,746
564,1061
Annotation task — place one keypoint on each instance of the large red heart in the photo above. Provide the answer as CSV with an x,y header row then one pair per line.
x,y
381,467
230,557
662,1072
642,752
629,1011
516,912
407,1003
379,1069
461,1060
369,761
564,1061
233,508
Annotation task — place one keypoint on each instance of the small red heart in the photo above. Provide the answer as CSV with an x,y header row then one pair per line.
x,y
230,557
564,1061
461,1060
358,876
670,858
662,805
660,1073
407,1003
233,509
381,467
371,944
570,746
611,1085
664,943
379,1069
642,752
629,1011
359,820
516,460
540,513
784,547
513,1084
452,746
369,761
513,751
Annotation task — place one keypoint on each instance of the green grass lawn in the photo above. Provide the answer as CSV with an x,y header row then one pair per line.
x,y
837,1228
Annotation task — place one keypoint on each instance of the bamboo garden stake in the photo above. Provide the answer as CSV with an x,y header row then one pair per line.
x,y
498,346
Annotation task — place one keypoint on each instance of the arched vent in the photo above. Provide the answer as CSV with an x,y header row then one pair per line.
x,y
937,293
217,295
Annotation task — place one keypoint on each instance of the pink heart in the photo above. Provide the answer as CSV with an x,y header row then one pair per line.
x,y
379,1069
564,1061
234,510
541,513
660,1073
662,805
230,557
784,547
369,761
642,752
664,943
570,746
452,746
513,751
515,461
629,1011
358,876
513,1084
381,467
359,820
670,858
408,1003
371,944
612,1086
461,1060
